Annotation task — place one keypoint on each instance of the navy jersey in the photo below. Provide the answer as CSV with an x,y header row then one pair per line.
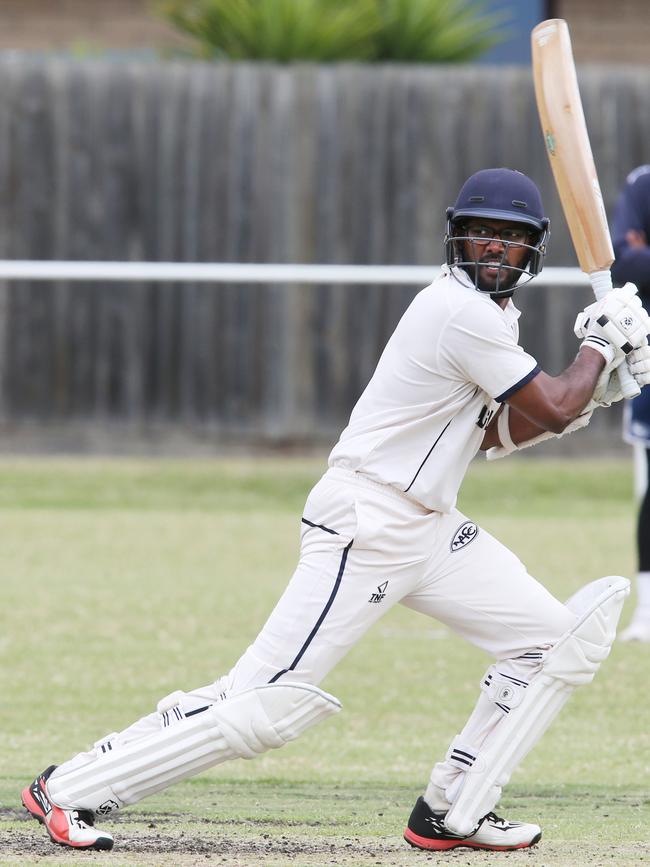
x,y
633,265
633,212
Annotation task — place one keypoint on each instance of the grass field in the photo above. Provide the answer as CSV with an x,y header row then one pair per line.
x,y
124,580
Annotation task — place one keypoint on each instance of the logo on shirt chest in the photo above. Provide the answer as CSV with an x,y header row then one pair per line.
x,y
465,534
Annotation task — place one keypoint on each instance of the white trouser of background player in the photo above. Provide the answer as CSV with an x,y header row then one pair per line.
x,y
364,547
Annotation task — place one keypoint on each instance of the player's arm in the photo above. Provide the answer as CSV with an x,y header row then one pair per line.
x,y
551,405
548,403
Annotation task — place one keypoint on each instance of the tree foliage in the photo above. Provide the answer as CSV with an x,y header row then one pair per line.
x,y
434,31
408,31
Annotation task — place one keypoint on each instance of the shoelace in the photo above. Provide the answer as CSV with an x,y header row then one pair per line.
x,y
83,819
492,817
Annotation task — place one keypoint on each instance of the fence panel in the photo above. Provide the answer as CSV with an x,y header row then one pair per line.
x,y
254,163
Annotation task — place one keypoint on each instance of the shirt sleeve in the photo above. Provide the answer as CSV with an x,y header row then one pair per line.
x,y
480,346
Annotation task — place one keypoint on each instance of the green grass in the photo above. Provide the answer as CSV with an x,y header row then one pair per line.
x,y
124,580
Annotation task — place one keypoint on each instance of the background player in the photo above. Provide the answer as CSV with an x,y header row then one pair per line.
x,y
630,234
381,527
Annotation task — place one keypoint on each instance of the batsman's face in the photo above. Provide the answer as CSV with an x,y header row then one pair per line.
x,y
492,244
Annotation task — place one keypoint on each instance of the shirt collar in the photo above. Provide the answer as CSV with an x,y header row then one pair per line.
x,y
510,312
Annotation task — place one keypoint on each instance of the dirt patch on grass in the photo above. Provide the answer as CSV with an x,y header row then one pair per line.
x,y
168,839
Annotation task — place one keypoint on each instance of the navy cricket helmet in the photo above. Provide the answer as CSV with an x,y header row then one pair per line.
x,y
499,194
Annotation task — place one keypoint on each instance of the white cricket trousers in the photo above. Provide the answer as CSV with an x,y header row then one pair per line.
x,y
366,546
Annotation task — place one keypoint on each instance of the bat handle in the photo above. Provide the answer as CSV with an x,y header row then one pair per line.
x,y
601,282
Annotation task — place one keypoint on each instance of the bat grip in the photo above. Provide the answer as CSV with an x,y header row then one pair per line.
x,y
601,283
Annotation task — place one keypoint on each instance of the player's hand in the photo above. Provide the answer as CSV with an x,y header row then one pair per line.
x,y
638,362
614,326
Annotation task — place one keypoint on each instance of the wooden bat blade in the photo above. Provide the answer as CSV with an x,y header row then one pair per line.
x,y
569,151
567,144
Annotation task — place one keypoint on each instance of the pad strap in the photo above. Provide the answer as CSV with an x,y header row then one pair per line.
x,y
461,755
506,691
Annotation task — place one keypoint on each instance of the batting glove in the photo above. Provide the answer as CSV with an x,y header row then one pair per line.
x,y
614,326
607,390
638,362
608,386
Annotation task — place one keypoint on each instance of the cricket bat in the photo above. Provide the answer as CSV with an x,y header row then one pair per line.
x,y
572,163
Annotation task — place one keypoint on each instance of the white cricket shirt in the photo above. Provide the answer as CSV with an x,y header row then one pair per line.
x,y
451,360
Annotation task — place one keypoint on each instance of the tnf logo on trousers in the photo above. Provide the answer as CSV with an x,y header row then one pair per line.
x,y
380,594
107,807
465,534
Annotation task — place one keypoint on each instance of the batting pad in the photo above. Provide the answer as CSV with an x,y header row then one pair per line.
x,y
573,661
250,723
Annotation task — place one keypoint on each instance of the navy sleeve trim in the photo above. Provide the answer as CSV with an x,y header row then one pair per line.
x,y
522,382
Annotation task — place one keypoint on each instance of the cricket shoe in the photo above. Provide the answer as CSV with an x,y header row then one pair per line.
x,y
426,830
66,827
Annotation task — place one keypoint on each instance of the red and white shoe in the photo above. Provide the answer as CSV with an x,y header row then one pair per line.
x,y
426,830
67,827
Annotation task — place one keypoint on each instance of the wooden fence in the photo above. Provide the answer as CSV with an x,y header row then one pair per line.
x,y
254,163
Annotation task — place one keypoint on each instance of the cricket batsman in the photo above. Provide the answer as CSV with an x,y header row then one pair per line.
x,y
381,527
